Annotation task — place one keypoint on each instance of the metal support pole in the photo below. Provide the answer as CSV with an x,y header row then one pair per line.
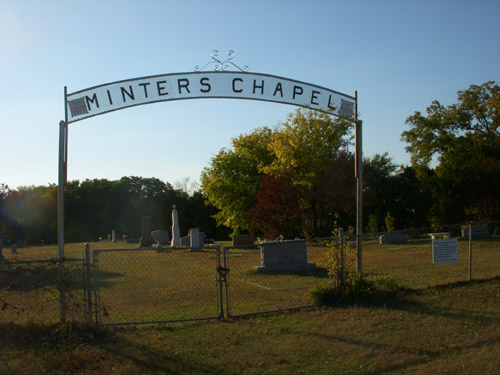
x,y
60,189
62,178
470,251
60,221
359,186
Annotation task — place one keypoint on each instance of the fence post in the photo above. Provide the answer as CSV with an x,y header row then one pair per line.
x,y
342,258
88,282
219,280
470,251
61,281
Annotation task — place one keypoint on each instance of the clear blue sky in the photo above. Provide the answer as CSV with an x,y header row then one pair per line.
x,y
399,55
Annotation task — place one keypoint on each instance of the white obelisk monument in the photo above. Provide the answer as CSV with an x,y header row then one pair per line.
x,y
176,231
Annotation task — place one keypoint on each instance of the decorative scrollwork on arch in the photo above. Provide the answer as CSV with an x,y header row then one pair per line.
x,y
221,65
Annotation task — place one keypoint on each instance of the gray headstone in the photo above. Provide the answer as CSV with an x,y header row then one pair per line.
x,y
243,239
146,239
478,231
496,232
194,239
185,241
284,256
161,236
393,238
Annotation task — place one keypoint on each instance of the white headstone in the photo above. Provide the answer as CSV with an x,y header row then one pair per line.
x,y
176,231
113,235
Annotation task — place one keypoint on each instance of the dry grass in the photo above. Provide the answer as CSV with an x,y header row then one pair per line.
x,y
451,329
144,286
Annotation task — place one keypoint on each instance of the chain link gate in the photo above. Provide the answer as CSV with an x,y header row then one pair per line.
x,y
151,286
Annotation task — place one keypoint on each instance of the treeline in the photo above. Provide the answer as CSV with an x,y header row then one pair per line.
x,y
297,179
93,208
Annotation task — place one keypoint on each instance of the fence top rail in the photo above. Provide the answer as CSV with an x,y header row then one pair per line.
x,y
41,261
157,249
263,243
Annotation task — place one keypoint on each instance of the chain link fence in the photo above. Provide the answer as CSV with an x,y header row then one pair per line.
x,y
406,256
253,289
145,286
139,286
43,291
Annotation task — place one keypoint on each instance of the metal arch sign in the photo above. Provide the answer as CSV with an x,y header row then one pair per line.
x,y
197,85
221,83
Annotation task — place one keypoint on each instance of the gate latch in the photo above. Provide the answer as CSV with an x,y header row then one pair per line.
x,y
223,272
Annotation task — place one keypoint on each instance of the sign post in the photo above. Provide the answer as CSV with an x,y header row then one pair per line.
x,y
359,185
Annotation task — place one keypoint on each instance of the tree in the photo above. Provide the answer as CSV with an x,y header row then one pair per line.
x,y
465,140
277,211
231,181
310,148
301,150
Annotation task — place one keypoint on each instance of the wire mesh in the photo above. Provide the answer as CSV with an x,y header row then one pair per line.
x,y
406,257
253,289
32,291
149,286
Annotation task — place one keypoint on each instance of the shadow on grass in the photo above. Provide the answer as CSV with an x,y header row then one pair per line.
x,y
28,277
318,272
405,299
156,361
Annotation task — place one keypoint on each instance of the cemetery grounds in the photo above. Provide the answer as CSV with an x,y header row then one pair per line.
x,y
418,329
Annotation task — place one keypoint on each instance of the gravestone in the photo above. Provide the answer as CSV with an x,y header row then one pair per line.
x,y
113,236
393,238
176,231
194,239
161,236
185,241
243,239
146,239
14,248
496,232
284,256
478,231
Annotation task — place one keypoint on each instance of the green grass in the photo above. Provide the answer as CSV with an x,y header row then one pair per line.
x,y
451,329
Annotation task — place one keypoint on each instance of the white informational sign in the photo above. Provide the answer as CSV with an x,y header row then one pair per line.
x,y
445,251
198,85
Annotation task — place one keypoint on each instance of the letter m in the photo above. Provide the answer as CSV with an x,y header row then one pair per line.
x,y
92,100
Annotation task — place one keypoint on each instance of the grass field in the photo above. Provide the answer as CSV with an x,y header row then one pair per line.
x,y
450,329
143,286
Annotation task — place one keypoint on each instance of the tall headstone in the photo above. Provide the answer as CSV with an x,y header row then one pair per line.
x,y
194,238
113,235
146,238
176,231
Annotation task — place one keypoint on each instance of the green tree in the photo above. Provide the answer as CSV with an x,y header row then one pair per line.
x,y
310,148
464,138
231,181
